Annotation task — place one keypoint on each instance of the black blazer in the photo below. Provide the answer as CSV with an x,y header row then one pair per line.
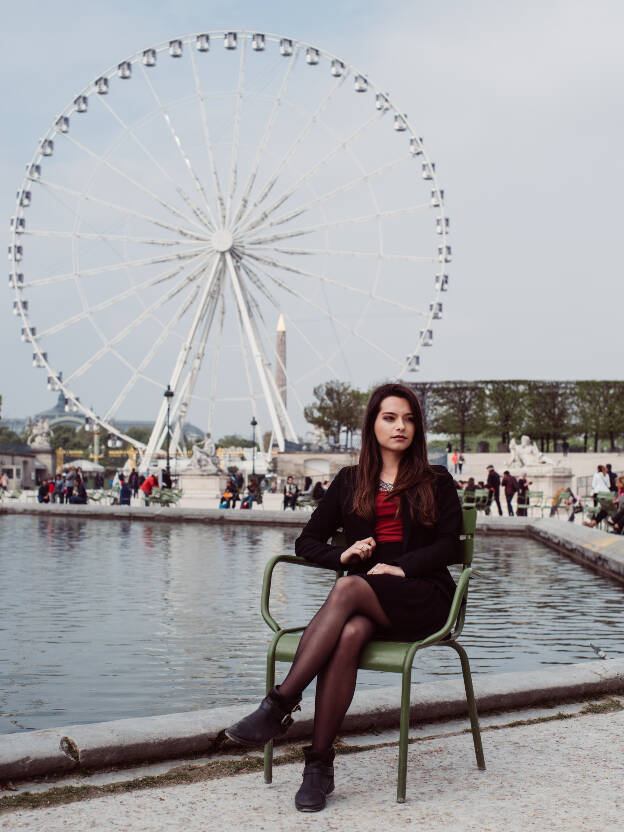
x,y
427,550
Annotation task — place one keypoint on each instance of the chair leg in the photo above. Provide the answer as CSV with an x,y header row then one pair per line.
x,y
268,748
404,734
472,705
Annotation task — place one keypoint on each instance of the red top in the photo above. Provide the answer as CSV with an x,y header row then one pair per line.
x,y
388,528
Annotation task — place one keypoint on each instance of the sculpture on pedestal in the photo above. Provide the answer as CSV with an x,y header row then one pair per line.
x,y
526,453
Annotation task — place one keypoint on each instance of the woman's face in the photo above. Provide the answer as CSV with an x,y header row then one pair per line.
x,y
395,426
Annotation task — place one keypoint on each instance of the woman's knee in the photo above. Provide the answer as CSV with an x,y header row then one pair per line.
x,y
348,588
357,631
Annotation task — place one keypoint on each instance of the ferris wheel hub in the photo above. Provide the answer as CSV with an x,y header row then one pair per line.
x,y
222,240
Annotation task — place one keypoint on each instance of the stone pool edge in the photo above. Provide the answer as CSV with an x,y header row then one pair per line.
x,y
84,748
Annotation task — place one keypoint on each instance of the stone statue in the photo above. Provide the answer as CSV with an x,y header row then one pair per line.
x,y
526,453
204,458
39,434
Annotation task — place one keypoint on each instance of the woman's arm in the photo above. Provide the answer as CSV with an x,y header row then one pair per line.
x,y
324,522
445,549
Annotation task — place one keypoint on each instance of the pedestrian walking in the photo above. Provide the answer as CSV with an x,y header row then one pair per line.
x,y
493,486
402,519
133,482
455,461
510,486
460,462
125,492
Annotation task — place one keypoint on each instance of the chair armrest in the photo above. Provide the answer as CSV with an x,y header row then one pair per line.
x,y
266,584
458,599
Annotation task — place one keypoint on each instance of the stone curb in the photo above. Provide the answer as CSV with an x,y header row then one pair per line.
x,y
78,748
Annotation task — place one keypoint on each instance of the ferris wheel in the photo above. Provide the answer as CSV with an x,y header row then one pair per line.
x,y
203,200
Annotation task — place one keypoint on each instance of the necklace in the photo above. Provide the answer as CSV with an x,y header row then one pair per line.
x,y
385,486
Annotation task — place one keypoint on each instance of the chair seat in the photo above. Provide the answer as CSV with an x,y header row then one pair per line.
x,y
377,655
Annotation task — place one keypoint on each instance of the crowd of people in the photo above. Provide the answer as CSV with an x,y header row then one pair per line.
x,y
604,481
310,494
66,487
71,486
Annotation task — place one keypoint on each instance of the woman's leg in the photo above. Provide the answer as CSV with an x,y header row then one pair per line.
x,y
336,681
350,596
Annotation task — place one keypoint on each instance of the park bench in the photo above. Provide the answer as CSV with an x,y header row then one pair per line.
x,y
388,656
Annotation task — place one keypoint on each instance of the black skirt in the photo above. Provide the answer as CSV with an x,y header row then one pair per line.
x,y
416,607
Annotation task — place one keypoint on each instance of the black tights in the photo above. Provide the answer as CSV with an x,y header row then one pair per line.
x,y
330,648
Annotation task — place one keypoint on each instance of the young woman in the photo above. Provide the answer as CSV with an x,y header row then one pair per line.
x,y
402,520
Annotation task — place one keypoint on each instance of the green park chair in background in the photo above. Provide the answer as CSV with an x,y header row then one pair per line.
x,y
535,502
482,500
388,656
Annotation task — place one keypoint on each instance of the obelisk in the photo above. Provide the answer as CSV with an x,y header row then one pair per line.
x,y
280,368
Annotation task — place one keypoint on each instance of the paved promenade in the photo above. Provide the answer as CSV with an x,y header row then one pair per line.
x,y
552,769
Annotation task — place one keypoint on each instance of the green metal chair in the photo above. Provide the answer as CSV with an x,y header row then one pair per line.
x,y
389,656
482,500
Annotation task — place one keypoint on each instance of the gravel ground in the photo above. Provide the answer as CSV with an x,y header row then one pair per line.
x,y
557,775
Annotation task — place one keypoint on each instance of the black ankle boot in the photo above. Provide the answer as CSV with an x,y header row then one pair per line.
x,y
318,780
271,719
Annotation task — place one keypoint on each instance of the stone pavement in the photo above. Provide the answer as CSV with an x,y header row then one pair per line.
x,y
549,769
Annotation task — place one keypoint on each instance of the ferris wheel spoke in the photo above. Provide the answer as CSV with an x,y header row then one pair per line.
x,y
208,140
325,312
124,333
86,313
370,294
268,130
342,189
248,375
123,209
305,177
103,160
185,158
183,354
186,304
236,132
374,255
293,148
180,191
123,238
215,366
311,229
114,267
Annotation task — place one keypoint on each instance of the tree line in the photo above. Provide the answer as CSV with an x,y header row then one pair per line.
x,y
548,411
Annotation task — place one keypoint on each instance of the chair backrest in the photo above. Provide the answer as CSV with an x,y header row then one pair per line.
x,y
469,524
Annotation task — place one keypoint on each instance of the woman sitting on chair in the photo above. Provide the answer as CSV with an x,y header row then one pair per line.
x,y
402,519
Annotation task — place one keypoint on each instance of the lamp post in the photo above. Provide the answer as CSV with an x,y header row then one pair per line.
x,y
253,450
168,396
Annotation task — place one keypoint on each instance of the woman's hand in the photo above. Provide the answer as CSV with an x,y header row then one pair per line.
x,y
361,549
386,569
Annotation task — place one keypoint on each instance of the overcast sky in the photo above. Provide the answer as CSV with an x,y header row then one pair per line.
x,y
520,107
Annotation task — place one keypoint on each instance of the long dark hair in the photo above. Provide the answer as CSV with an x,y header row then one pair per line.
x,y
413,486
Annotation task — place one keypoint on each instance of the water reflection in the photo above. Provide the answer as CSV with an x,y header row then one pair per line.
x,y
103,620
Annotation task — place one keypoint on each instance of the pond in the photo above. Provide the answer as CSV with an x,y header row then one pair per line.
x,y
102,619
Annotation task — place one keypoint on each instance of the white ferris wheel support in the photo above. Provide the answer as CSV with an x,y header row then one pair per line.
x,y
291,202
